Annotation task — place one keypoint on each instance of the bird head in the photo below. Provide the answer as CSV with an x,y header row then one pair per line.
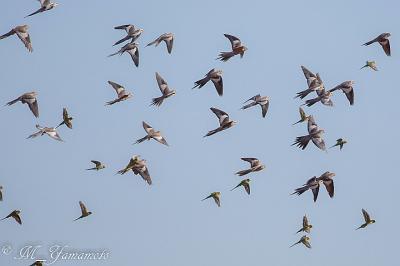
x,y
89,213
310,226
247,180
17,211
372,221
387,35
55,4
234,122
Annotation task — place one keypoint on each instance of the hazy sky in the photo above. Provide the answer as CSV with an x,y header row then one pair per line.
x,y
167,223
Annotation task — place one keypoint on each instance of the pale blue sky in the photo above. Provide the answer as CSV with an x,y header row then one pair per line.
x,y
167,224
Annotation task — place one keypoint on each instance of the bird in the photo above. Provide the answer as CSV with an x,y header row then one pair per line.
x,y
23,35
246,184
314,134
323,96
165,90
67,120
1,193
168,38
255,166
16,215
132,49
98,166
314,184
237,48
122,94
84,211
339,142
367,219
347,88
306,226
30,98
305,240
303,116
224,121
314,83
216,196
152,134
138,167
383,40
133,33
370,64
45,5
38,263
49,131
263,101
215,75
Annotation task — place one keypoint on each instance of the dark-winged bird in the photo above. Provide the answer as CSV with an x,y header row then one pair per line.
x,y
262,101
30,99
237,48
314,134
224,121
215,75
23,35
383,40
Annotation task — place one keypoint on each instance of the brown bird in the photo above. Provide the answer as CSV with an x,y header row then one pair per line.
x,y
30,99
216,196
367,220
314,83
347,88
67,120
49,131
14,214
138,167
152,134
314,134
132,49
1,193
122,94
237,48
246,184
262,101
255,166
45,5
168,38
84,211
224,121
216,77
305,240
306,226
165,90
383,40
314,184
23,35
132,33
38,263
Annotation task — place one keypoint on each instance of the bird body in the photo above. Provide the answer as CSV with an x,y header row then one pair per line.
x,y
165,90
67,120
152,134
122,94
215,75
168,38
49,131
262,101
314,83
313,184
15,215
255,166
224,121
370,64
138,167
303,116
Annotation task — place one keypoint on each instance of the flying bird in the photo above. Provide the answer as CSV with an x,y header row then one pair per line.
x,y
255,166
122,94
49,131
323,96
84,211
215,75
23,35
339,142
306,226
152,134
165,90
67,120
138,167
367,220
98,166
45,5
132,33
30,99
305,240
262,101
314,83
370,64
237,48
224,121
14,214
303,116
168,38
314,184
132,49
314,134
383,40
38,263
216,196
347,88
244,183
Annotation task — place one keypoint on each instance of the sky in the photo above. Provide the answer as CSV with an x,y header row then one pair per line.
x,y
167,223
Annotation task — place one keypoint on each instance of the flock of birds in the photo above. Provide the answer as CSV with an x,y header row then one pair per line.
x,y
139,167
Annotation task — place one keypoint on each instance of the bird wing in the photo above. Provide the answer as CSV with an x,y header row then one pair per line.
x,y
235,41
117,87
319,142
310,77
83,208
97,163
217,200
366,216
26,39
146,176
312,126
305,222
134,56
386,46
17,217
222,116
246,186
147,127
264,108
34,108
162,84
315,192
170,44
250,160
160,139
218,83
329,185
350,96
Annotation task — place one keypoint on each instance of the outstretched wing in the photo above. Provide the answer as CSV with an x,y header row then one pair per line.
x,y
235,41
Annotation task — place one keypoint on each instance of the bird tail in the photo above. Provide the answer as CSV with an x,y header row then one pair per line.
x,y
364,66
249,105
297,122
206,198
312,101
122,40
301,229
212,132
94,168
303,94
301,190
34,13
235,187
200,83
157,101
294,244
62,123
370,42
140,140
333,146
243,172
302,141
13,101
114,54
225,56
153,42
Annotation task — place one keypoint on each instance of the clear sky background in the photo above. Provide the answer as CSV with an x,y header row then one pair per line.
x,y
167,224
